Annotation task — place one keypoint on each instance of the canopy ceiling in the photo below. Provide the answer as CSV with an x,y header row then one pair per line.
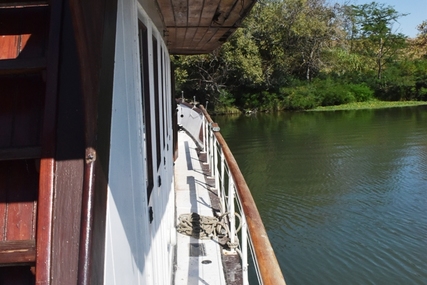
x,y
200,26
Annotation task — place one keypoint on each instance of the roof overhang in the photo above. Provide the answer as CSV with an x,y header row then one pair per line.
x,y
200,26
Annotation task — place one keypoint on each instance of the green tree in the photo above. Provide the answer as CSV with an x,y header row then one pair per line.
x,y
216,75
375,36
420,43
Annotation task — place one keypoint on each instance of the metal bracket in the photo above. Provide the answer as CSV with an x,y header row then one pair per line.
x,y
215,127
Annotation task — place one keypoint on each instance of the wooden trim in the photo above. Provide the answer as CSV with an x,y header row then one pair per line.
x,y
48,139
94,24
269,267
24,65
20,153
17,252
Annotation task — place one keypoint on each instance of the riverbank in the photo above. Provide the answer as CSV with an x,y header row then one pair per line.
x,y
374,104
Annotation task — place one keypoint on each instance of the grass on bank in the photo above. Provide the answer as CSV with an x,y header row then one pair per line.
x,y
372,104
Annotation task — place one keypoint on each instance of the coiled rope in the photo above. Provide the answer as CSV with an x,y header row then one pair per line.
x,y
204,227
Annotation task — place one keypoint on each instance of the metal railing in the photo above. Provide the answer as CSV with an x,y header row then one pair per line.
x,y
234,192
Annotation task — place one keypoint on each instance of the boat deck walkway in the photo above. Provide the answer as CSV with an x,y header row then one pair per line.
x,y
198,261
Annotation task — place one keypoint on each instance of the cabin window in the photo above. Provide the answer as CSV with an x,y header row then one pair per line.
x,y
157,99
145,94
163,97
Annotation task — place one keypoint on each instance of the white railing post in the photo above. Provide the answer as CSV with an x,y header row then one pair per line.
x,y
211,150
215,166
204,133
221,191
244,230
208,145
231,214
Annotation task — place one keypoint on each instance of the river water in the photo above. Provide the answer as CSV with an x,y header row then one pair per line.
x,y
343,194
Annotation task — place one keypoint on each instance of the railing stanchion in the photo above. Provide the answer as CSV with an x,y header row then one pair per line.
x,y
215,166
244,248
204,133
209,144
221,192
231,213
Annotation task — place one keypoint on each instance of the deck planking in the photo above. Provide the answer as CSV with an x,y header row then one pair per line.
x,y
192,195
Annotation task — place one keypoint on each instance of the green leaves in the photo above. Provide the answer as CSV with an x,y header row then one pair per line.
x,y
299,54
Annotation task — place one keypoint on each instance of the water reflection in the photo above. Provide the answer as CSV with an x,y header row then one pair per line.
x,y
343,194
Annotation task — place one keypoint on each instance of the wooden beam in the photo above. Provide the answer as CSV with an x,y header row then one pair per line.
x,y
20,153
17,252
24,65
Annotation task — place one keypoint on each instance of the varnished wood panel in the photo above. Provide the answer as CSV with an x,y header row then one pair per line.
x,y
69,163
18,196
17,252
9,46
48,148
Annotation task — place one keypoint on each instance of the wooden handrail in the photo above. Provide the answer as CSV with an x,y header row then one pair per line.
x,y
268,265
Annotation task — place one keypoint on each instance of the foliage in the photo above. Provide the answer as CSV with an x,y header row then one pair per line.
x,y
300,54
371,104
375,36
419,45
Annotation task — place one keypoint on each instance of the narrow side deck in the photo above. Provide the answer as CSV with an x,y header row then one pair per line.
x,y
198,261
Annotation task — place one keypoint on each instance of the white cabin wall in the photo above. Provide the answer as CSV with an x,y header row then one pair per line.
x,y
192,120
162,198
137,251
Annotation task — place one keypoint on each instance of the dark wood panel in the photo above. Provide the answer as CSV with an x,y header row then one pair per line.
x,y
18,199
48,141
7,107
21,275
20,153
21,104
69,165
17,252
92,241
9,3
24,20
3,206
22,65
28,111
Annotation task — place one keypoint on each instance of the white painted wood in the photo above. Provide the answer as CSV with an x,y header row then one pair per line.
x,y
191,120
137,252
125,246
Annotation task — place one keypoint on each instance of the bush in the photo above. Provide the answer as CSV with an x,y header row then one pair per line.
x,y
332,93
299,98
361,92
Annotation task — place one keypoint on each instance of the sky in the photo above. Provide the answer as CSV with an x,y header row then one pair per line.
x,y
417,10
